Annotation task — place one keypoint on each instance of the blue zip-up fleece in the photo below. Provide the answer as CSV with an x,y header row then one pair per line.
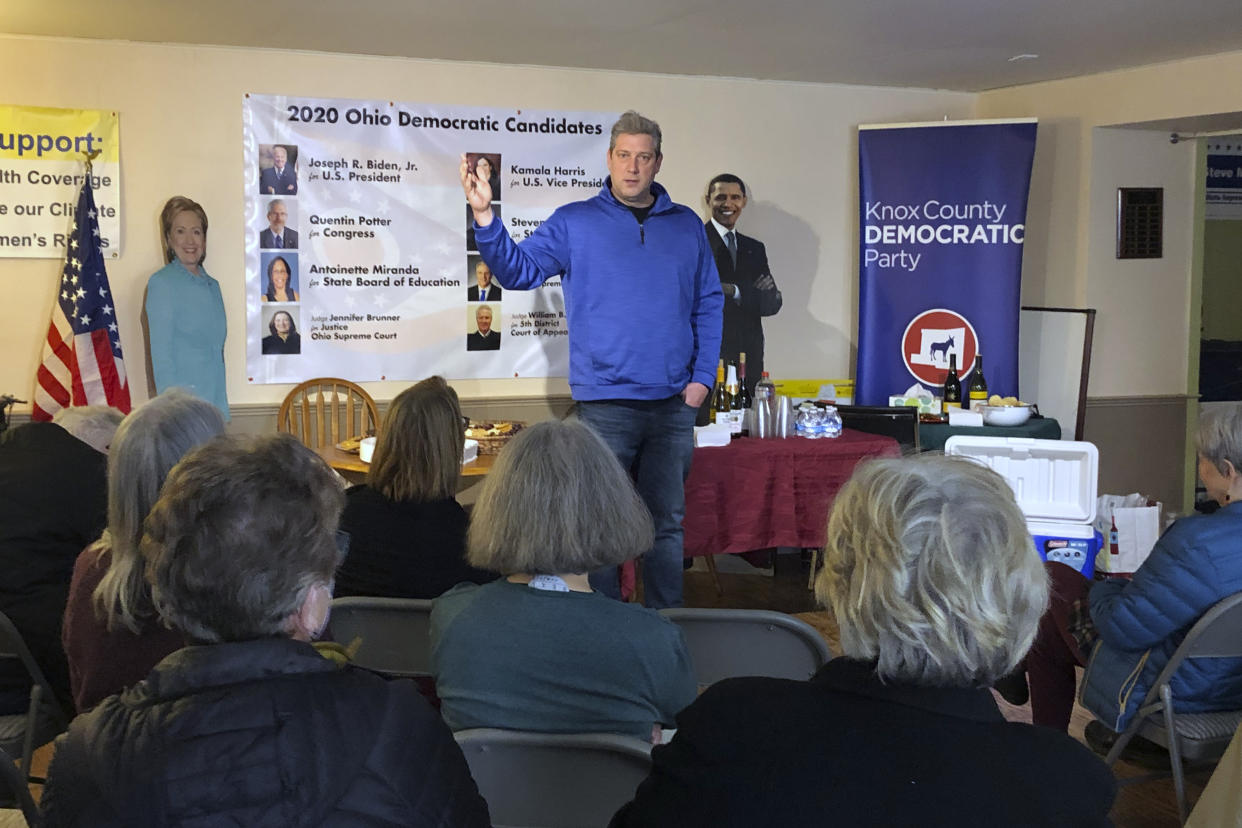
x,y
643,302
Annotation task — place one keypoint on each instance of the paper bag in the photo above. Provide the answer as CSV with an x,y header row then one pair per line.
x,y
1131,523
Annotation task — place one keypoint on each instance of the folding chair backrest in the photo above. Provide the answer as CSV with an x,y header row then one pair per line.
x,y
16,792
394,634
44,718
554,780
730,642
326,410
1217,634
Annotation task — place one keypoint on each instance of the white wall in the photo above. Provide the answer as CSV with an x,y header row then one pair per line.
x,y
180,108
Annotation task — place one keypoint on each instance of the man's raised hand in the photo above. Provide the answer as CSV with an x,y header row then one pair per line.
x,y
478,193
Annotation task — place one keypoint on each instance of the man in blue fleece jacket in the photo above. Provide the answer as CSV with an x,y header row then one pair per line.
x,y
644,305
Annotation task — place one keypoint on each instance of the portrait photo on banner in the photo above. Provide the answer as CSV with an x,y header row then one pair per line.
x,y
486,165
277,226
480,285
281,324
280,276
483,326
278,169
470,243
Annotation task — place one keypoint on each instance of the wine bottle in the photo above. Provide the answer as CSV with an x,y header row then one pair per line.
x,y
735,402
978,385
952,392
721,403
743,394
765,389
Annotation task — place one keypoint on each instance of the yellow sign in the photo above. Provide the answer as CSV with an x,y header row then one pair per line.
x,y
817,389
43,133
43,155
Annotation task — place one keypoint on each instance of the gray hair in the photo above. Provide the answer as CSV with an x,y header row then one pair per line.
x,y
631,123
271,205
148,444
1220,437
94,425
556,502
242,532
931,572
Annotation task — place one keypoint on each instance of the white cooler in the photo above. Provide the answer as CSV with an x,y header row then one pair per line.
x,y
1055,484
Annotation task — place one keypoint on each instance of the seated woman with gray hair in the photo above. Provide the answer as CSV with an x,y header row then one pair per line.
x,y
538,650
1125,631
937,590
250,725
112,634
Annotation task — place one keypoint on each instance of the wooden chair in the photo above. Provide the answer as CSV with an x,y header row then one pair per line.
x,y
324,411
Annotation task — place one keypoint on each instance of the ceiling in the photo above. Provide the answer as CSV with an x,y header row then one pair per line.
x,y
962,45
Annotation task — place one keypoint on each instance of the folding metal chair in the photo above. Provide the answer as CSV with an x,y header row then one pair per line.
x,y
21,733
554,780
734,642
1197,737
393,634
16,794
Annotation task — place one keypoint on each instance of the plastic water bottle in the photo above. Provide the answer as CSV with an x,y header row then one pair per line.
x,y
832,422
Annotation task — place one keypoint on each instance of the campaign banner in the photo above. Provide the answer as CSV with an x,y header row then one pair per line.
x,y
43,154
942,221
1223,190
360,253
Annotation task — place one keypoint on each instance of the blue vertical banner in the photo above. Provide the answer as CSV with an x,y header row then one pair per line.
x,y
942,221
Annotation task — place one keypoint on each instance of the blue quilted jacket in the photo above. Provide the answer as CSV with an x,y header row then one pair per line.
x,y
1141,622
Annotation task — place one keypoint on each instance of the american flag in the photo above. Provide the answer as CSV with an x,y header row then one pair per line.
x,y
82,362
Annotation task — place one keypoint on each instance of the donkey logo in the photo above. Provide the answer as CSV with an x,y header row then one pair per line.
x,y
943,348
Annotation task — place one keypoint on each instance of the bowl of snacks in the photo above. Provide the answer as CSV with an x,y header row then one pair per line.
x,y
1005,411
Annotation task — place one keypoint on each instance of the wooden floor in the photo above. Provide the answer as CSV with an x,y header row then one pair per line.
x,y
1145,805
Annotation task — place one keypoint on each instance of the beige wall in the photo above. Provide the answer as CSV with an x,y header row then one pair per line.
x,y
180,108
1142,339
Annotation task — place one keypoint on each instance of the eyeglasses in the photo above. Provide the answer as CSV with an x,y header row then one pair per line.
x,y
465,422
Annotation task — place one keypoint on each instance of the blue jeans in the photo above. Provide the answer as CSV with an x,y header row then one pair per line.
x,y
654,439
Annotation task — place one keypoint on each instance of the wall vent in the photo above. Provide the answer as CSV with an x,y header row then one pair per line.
x,y
1140,222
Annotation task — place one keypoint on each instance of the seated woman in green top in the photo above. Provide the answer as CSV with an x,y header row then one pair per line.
x,y
185,311
538,649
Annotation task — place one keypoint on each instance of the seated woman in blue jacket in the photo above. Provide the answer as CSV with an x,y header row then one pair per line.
x,y
1134,626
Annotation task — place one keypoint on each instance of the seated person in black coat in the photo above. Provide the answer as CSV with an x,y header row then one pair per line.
x,y
250,725
407,531
53,502
937,590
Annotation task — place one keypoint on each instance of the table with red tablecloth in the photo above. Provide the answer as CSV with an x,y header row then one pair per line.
x,y
754,494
